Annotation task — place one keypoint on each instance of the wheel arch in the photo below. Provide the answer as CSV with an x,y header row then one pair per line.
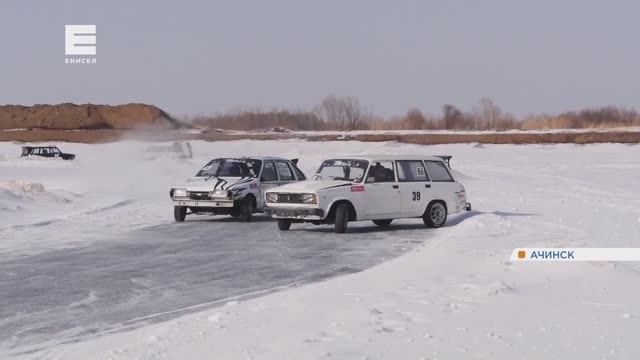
x,y
237,202
253,198
443,202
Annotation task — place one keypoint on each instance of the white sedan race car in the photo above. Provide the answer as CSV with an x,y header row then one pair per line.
x,y
232,186
378,188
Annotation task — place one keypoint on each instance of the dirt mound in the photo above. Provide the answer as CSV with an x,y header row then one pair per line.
x,y
84,117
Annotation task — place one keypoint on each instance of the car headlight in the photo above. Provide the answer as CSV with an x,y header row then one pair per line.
x,y
179,192
219,193
272,197
309,199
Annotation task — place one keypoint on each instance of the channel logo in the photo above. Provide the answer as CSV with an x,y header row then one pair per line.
x,y
575,254
80,44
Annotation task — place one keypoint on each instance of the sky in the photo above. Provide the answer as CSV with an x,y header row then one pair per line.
x,y
205,57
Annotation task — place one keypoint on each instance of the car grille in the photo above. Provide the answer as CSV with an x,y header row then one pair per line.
x,y
199,195
290,198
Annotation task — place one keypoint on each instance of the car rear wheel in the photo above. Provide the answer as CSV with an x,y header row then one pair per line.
x,y
436,215
284,224
179,213
383,222
246,209
342,218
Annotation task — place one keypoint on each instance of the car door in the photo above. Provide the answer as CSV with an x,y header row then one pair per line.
x,y
383,197
442,184
414,186
285,173
268,179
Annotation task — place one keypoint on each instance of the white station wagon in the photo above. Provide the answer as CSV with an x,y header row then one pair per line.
x,y
232,186
379,188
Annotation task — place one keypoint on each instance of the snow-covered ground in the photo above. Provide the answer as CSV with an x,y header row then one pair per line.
x,y
454,296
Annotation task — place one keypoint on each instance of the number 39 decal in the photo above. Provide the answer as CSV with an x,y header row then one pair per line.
x,y
416,196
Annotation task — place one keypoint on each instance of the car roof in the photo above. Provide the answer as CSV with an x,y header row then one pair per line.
x,y
387,157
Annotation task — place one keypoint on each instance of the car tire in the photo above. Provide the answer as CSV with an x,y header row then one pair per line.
x,y
179,213
284,224
436,214
342,218
383,222
246,209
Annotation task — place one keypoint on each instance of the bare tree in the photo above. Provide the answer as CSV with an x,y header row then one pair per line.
x,y
414,119
489,113
344,113
353,113
476,116
330,113
451,116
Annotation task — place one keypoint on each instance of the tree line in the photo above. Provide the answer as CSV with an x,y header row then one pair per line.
x,y
347,113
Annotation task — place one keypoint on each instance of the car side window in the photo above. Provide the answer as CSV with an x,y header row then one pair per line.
x,y
438,171
411,170
269,172
299,174
284,171
381,171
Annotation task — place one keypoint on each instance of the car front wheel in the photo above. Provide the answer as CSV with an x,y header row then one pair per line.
x,y
342,218
246,209
179,213
436,215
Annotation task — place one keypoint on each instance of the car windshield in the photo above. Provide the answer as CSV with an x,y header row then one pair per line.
x,y
342,169
231,168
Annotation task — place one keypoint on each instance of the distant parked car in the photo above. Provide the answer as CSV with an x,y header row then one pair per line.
x,y
46,151
377,187
233,186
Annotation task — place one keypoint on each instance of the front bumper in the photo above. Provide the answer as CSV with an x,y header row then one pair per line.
x,y
203,203
301,213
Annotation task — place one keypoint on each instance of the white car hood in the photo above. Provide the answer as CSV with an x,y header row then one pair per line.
x,y
309,186
215,183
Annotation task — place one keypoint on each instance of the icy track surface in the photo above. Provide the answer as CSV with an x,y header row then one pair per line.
x,y
164,271
93,267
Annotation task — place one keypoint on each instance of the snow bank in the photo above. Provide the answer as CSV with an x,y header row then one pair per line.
x,y
18,195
